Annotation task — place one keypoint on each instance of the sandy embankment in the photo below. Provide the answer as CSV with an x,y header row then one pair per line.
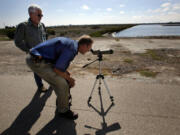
x,y
128,60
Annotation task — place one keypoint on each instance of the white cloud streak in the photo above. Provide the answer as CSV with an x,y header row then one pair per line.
x,y
109,9
122,12
166,7
121,5
176,6
85,7
166,4
170,16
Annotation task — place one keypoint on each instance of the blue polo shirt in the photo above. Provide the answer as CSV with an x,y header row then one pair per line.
x,y
60,50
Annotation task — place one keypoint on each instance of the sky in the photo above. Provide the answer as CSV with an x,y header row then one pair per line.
x,y
73,12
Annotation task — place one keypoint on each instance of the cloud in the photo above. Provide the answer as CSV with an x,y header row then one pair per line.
x,y
166,4
176,6
122,5
109,9
137,17
165,13
85,7
170,16
158,10
122,12
166,7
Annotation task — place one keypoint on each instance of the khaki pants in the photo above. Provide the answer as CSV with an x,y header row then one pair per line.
x,y
59,84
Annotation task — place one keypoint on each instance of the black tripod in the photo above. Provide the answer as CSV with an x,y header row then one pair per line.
x,y
100,76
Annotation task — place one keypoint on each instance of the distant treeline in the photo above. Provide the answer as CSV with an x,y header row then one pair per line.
x,y
164,24
78,30
9,31
92,30
73,30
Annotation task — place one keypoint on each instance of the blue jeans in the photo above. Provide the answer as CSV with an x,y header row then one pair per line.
x,y
38,80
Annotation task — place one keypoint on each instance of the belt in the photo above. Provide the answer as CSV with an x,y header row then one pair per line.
x,y
37,59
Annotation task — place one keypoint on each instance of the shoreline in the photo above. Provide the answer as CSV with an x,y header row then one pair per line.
x,y
116,38
150,37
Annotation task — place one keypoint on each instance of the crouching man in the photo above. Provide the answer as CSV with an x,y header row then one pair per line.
x,y
50,60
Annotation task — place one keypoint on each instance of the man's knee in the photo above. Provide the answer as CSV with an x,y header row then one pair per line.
x,y
61,82
61,85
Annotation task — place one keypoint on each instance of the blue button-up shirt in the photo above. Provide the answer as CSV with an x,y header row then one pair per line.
x,y
61,50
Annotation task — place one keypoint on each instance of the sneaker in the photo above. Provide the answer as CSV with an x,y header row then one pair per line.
x,y
42,89
69,115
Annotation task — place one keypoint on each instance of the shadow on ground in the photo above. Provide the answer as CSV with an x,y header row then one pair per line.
x,y
105,128
31,113
59,126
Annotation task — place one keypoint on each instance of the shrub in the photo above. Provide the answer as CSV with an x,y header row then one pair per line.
x,y
10,32
148,73
63,33
95,27
51,32
127,60
154,55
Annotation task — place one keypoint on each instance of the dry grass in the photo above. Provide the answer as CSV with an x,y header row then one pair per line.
x,y
127,60
148,73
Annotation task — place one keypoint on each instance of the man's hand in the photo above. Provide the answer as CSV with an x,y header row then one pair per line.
x,y
66,75
71,82
40,57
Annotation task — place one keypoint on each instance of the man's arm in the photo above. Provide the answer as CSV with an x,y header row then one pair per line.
x,y
66,76
19,38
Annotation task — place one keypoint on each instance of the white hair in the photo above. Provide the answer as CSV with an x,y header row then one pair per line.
x,y
32,8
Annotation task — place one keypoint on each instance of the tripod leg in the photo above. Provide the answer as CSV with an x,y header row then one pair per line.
x,y
89,99
110,96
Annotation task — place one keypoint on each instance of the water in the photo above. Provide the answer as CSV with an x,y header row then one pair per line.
x,y
149,30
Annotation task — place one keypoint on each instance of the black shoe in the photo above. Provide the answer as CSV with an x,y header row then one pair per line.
x,y
69,115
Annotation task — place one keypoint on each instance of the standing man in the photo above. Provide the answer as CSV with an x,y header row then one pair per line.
x,y
50,61
29,34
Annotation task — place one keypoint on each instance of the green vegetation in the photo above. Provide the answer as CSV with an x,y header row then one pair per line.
x,y
10,32
117,39
7,32
92,30
73,30
153,54
109,30
51,31
4,38
148,73
127,60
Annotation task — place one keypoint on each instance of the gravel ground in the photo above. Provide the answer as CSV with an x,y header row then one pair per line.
x,y
130,57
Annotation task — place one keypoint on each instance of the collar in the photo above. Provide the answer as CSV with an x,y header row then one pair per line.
x,y
30,23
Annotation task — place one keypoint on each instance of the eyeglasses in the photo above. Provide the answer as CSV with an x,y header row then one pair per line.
x,y
39,15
